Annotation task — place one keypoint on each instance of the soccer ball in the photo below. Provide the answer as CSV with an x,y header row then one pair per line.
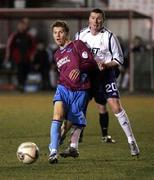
x,y
28,152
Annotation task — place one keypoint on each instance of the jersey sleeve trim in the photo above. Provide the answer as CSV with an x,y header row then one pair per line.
x,y
117,61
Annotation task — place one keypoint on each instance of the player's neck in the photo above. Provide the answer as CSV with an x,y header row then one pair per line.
x,y
66,43
94,32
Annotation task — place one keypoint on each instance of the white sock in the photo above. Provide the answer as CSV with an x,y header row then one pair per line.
x,y
75,135
125,124
53,151
74,145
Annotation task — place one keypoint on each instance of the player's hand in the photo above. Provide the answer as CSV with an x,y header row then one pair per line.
x,y
74,74
101,65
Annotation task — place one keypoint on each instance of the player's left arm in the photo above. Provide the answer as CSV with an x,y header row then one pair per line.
x,y
87,62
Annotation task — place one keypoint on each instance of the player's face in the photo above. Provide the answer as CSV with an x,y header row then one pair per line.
x,y
95,21
60,36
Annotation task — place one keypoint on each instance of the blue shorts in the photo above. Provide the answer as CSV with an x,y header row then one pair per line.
x,y
75,104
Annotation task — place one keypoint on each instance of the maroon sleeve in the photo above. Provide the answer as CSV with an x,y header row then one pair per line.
x,y
87,62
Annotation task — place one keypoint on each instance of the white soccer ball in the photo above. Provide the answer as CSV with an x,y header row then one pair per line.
x,y
28,152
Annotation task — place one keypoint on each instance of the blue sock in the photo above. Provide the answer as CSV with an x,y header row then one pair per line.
x,y
54,135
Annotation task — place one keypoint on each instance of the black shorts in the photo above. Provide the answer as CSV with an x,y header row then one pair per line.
x,y
104,86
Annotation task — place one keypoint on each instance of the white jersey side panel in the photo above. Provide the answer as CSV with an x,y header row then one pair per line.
x,y
105,46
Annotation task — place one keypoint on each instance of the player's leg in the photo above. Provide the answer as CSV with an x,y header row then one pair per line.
x,y
60,105
72,150
103,114
123,119
55,131
103,118
66,126
76,115
104,123
81,136
85,111
113,99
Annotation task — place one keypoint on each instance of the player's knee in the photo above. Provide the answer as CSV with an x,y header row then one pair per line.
x,y
58,116
117,110
115,105
66,126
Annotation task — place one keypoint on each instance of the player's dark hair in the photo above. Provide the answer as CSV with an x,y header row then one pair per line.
x,y
62,24
97,10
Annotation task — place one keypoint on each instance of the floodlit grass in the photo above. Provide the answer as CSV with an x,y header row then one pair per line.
x,y
27,117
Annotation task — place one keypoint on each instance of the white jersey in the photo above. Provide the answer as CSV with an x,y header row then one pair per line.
x,y
105,45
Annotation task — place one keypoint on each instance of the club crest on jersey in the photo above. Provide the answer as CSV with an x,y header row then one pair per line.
x,y
85,55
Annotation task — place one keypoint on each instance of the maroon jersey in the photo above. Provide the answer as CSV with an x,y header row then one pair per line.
x,y
75,55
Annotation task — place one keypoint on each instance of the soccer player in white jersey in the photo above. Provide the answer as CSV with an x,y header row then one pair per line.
x,y
108,54
98,39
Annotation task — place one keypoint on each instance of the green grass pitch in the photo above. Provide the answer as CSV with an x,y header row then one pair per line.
x,y
27,117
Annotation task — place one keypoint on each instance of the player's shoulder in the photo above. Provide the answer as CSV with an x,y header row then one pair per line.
x,y
78,42
82,32
85,30
106,31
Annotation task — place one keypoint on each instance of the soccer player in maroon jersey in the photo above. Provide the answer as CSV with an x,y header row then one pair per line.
x,y
74,61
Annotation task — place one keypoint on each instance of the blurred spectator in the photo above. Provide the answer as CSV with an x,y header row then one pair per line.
x,y
41,64
20,50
